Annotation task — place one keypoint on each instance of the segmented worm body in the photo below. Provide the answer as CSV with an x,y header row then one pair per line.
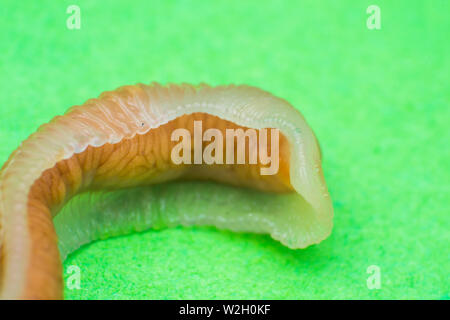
x,y
105,168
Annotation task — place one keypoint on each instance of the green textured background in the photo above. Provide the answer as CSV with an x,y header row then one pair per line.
x,y
378,101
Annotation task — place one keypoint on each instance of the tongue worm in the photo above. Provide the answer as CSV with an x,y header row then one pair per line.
x,y
129,161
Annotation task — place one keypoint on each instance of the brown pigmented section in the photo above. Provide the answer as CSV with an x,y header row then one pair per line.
x,y
142,160
2,259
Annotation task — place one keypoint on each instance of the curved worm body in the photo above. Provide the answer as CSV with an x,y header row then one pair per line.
x,y
107,168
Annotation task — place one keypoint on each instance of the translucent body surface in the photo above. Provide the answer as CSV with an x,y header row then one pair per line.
x,y
109,160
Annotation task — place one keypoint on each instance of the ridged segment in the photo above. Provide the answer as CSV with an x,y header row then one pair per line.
x,y
124,114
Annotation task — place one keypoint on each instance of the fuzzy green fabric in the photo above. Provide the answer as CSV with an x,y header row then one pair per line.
x,y
378,101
